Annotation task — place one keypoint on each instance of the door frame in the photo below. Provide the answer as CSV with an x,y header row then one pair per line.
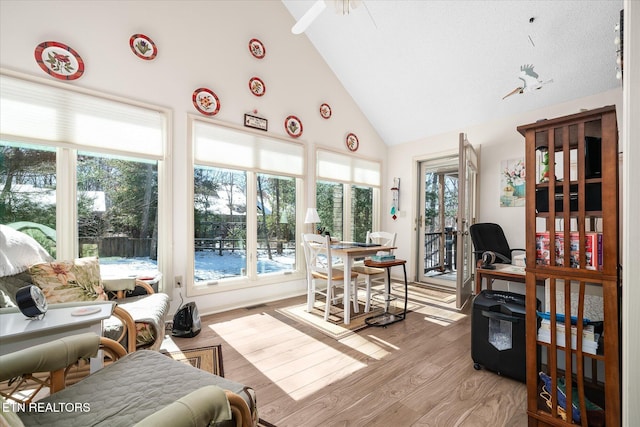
x,y
416,172
441,167
465,273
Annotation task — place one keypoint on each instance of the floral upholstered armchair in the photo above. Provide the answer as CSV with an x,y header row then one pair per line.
x,y
137,323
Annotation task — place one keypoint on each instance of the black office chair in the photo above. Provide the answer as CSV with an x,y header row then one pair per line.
x,y
489,238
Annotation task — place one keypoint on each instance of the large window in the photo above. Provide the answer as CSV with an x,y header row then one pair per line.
x,y
82,173
347,195
246,195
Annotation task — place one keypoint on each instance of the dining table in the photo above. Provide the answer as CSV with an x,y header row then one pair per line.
x,y
349,252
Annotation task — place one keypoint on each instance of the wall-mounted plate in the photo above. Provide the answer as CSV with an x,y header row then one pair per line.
x,y
206,101
59,60
352,142
143,47
325,111
293,126
256,86
257,48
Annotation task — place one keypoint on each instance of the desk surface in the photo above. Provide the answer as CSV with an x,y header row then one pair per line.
x,y
16,325
506,272
503,269
351,250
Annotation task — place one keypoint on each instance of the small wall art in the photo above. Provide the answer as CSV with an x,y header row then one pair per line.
x,y
512,183
255,122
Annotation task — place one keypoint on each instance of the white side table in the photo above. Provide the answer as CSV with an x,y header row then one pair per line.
x,y
18,332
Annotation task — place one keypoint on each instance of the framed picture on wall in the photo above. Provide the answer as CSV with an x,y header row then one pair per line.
x,y
512,183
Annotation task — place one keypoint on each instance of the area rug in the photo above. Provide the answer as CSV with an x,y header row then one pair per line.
x,y
208,359
424,294
418,297
335,327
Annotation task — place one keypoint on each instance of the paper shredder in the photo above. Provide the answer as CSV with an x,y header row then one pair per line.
x,y
498,333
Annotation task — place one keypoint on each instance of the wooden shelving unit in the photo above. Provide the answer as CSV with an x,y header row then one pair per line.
x,y
576,200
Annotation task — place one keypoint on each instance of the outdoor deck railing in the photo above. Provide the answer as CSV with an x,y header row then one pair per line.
x,y
439,250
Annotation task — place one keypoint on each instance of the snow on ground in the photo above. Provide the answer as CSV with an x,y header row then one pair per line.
x,y
208,264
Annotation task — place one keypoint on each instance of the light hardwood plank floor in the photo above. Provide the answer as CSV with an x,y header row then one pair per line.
x,y
418,372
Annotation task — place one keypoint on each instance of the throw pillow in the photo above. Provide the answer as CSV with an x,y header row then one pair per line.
x,y
19,251
67,281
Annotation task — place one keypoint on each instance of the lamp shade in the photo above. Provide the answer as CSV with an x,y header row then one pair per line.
x,y
312,216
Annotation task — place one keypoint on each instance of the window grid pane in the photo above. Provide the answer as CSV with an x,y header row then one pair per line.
x,y
276,203
117,202
361,212
329,203
28,173
220,209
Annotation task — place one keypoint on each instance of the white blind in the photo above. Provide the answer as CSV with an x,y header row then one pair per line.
x,y
32,110
218,145
338,167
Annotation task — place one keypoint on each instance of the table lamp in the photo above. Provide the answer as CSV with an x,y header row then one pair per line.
x,y
312,217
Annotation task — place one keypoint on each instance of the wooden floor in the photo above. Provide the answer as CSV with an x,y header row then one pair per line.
x,y
413,373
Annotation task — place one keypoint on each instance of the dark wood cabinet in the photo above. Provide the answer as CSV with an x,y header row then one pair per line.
x,y
572,246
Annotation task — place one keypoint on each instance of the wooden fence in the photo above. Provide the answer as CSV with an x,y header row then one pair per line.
x,y
117,246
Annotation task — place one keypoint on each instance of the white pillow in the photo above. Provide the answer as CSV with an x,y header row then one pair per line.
x,y
18,251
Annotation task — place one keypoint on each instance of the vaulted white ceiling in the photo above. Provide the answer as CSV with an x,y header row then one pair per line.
x,y
421,68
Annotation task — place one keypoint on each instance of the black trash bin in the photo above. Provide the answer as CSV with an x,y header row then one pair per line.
x,y
498,333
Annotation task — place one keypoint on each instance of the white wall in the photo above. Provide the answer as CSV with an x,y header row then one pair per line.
x,y
631,225
200,43
498,140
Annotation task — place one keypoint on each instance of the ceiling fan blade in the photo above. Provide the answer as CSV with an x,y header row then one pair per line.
x,y
309,17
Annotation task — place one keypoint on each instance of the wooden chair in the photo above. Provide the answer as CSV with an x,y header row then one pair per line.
x,y
317,251
383,238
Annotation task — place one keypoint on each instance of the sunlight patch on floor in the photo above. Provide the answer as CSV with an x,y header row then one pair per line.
x,y
298,364
364,346
384,343
440,316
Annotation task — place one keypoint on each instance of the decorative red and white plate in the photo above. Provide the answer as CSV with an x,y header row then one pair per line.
x,y
59,60
325,111
206,101
293,126
257,48
256,86
352,142
143,47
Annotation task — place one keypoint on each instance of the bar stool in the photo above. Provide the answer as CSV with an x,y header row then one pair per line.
x,y
387,318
